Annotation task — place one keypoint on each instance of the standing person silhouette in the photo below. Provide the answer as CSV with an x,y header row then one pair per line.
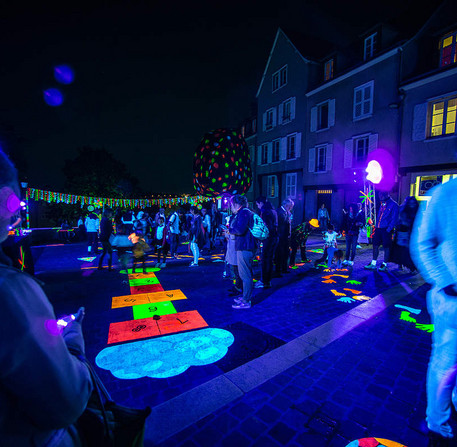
x,y
43,388
434,250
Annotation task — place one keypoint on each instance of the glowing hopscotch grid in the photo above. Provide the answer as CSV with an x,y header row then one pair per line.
x,y
147,298
149,310
151,327
149,288
144,281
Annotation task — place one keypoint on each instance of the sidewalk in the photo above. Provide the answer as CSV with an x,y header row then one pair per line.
x,y
359,375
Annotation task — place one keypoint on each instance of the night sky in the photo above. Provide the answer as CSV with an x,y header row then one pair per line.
x,y
150,78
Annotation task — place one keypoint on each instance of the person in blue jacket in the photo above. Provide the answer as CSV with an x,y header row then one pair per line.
x,y
245,247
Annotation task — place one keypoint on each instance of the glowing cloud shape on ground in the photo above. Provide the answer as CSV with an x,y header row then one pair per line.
x,y
167,356
374,442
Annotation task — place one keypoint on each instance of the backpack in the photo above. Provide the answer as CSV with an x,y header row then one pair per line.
x,y
258,228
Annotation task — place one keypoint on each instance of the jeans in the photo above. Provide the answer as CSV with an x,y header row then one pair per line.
x,y
330,253
174,243
351,246
442,367
268,251
244,260
107,248
195,251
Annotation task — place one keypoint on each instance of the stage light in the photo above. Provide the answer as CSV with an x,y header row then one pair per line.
x,y
374,172
381,169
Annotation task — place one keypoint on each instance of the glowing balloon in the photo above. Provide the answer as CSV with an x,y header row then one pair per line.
x,y
64,74
381,169
222,164
53,97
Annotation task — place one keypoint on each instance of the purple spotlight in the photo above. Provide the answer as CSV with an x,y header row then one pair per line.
x,y
64,74
381,169
53,97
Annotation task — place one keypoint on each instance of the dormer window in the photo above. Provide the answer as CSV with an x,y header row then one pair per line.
x,y
328,70
448,49
369,46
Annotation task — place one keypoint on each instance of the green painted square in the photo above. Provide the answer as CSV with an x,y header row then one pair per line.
x,y
140,270
143,281
150,309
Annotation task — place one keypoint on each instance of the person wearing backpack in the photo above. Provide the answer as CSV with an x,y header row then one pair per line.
x,y
270,217
245,247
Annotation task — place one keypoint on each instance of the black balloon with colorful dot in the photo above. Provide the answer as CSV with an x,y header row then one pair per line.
x,y
222,164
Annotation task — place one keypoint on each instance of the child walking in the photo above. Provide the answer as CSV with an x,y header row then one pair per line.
x,y
161,243
330,243
123,244
140,247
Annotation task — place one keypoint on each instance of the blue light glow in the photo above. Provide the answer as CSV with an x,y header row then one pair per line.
x,y
64,74
53,97
166,356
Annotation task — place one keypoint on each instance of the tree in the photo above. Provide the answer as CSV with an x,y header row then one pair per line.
x,y
96,172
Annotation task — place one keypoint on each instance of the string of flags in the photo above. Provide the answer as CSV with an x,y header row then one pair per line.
x,y
73,199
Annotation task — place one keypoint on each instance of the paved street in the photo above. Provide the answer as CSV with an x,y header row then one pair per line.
x,y
322,358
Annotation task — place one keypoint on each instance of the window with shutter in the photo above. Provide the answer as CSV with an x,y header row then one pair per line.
x,y
442,117
363,101
291,140
448,52
291,185
321,158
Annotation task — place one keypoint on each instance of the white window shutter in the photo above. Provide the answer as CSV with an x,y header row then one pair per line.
x,y
372,142
283,149
420,122
328,157
348,148
264,122
312,159
292,108
298,145
274,116
331,113
270,152
313,119
259,156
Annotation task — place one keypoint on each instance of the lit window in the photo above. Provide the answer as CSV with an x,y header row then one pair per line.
x,y
291,185
275,155
328,70
264,159
363,101
290,147
369,46
272,186
279,78
443,116
321,159
448,53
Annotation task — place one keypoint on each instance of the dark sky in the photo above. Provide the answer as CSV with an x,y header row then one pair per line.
x,y
150,78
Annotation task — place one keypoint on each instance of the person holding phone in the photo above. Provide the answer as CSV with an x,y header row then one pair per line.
x,y
43,388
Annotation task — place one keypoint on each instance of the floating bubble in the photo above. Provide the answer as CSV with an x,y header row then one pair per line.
x,y
53,97
64,74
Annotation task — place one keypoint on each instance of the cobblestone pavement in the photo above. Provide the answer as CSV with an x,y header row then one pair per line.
x,y
369,382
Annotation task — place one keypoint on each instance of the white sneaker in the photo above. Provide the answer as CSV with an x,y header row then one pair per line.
x,y
192,264
345,262
258,285
350,262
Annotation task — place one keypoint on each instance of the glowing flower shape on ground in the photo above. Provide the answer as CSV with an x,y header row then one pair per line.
x,y
374,442
222,164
